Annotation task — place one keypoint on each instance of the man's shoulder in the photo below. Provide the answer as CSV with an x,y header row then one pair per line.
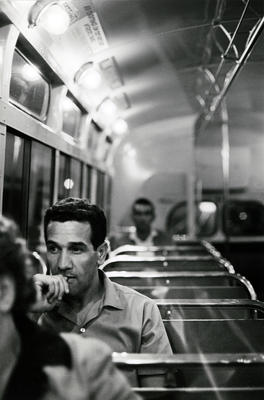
x,y
133,294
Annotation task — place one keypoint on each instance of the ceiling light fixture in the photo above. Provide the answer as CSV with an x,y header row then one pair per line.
x,y
50,15
120,127
88,76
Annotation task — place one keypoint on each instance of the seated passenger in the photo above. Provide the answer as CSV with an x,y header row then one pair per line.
x,y
36,364
91,304
143,215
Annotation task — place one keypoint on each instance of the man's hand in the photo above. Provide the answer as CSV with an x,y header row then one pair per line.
x,y
49,291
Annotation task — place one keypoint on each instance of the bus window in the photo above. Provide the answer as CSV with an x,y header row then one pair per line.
x,y
64,177
70,174
71,117
13,194
76,177
243,218
206,219
88,182
40,193
100,189
28,89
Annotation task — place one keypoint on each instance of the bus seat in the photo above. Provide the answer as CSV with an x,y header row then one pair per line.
x,y
215,336
213,309
205,292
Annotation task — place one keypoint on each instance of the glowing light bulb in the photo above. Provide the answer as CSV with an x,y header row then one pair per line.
x,y
207,207
68,183
54,19
120,126
108,108
90,78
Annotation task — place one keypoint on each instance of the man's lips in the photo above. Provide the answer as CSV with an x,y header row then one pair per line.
x,y
68,277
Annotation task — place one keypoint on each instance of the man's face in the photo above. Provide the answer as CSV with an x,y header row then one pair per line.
x,y
142,217
71,254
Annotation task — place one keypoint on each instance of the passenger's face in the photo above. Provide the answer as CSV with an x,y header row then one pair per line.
x,y
71,254
142,217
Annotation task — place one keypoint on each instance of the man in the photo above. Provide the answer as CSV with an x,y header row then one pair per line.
x,y
143,215
91,304
39,365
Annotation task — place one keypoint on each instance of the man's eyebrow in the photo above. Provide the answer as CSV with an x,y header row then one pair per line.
x,y
52,242
82,244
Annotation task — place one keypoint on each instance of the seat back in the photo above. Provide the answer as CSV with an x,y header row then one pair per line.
x,y
205,292
193,371
186,279
202,393
214,309
162,264
216,336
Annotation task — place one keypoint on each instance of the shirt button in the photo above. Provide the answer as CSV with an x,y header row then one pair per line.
x,y
82,330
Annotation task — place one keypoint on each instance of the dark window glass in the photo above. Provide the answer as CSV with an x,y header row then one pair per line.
x,y
71,117
88,182
76,178
243,217
28,89
14,190
40,193
100,189
64,175
70,177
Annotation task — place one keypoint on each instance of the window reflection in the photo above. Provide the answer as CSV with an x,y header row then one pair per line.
x,y
40,192
206,219
28,89
71,117
13,180
70,175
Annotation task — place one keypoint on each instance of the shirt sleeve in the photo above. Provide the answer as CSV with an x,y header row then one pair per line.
x,y
154,337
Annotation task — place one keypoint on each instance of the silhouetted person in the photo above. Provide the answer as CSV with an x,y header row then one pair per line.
x,y
143,215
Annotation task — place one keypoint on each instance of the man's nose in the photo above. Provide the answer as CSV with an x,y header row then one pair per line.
x,y
64,261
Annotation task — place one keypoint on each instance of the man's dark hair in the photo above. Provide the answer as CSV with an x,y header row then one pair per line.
x,y
81,210
13,258
145,202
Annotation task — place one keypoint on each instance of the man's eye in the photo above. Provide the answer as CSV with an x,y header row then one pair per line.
x,y
53,249
76,250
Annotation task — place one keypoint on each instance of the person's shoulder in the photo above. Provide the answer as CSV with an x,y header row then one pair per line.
x,y
130,293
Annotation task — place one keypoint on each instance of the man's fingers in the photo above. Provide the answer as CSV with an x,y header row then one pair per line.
x,y
58,287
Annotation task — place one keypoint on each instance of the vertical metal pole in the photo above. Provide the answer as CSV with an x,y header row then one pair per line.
x,y
225,154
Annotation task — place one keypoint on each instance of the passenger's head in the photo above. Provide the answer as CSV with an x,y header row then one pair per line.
x,y
81,210
16,290
75,233
143,214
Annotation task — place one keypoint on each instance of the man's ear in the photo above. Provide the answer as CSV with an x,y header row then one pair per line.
x,y
7,294
102,251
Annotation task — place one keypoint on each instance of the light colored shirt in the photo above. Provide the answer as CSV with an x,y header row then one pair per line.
x,y
124,319
92,376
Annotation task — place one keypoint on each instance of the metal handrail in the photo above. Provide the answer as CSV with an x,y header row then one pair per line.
x,y
138,249
135,359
